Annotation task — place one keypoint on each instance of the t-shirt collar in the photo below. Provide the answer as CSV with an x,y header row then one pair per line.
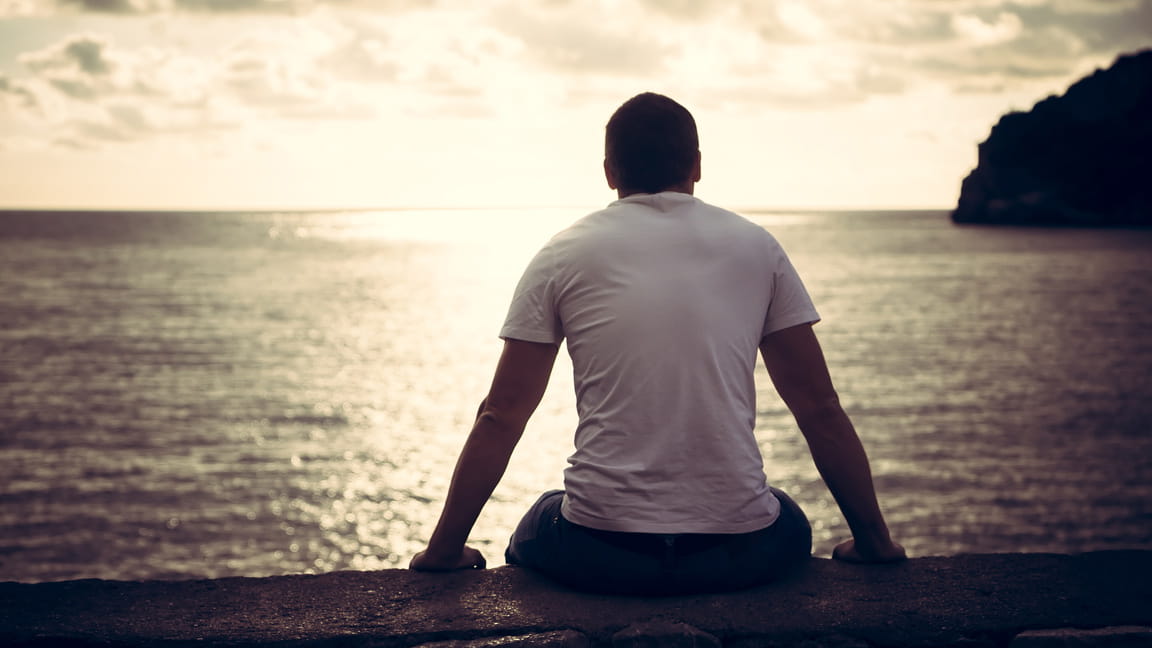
x,y
662,201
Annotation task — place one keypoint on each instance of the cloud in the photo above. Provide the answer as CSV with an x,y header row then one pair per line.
x,y
367,60
271,81
127,7
16,96
993,49
973,44
96,93
356,59
321,68
89,67
79,67
829,53
571,40
692,10
809,82
975,30
123,124
894,24
1100,25
109,6
86,53
131,7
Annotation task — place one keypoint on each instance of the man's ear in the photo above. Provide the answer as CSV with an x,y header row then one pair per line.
x,y
696,168
609,175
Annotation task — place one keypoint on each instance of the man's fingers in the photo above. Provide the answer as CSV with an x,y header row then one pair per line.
x,y
848,551
469,558
473,559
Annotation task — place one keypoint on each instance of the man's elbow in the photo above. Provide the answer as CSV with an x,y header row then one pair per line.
x,y
815,411
501,419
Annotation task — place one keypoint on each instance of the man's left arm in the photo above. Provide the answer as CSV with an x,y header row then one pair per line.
x,y
521,378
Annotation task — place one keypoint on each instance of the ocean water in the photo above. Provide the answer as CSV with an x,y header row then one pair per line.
x,y
187,395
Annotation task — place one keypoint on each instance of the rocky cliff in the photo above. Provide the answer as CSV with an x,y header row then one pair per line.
x,y
1083,158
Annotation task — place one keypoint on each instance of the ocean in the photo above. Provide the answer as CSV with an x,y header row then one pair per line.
x,y
192,395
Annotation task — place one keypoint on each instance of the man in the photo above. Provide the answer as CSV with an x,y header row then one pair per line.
x,y
664,301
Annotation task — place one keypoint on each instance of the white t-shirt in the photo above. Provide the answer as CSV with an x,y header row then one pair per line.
x,y
663,300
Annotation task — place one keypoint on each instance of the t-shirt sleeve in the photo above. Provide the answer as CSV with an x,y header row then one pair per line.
x,y
532,316
790,304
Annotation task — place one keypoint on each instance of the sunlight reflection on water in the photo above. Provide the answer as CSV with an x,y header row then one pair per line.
x,y
282,393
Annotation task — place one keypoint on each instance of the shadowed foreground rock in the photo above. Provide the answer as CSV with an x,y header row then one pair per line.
x,y
1022,600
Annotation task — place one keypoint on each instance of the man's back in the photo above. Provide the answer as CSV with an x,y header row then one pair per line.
x,y
663,300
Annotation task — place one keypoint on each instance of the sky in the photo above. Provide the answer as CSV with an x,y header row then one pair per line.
x,y
303,104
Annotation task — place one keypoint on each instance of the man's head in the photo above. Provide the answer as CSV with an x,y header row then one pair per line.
x,y
651,145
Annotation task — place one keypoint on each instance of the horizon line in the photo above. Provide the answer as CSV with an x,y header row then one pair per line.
x,y
457,208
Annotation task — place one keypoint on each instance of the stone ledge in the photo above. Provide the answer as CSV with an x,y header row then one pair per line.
x,y
1026,600
1113,637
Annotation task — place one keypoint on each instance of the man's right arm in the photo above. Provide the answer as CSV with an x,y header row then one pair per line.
x,y
800,374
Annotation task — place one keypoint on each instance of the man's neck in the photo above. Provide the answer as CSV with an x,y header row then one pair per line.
x,y
685,188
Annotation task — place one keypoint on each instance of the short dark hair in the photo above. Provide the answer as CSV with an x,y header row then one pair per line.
x,y
651,144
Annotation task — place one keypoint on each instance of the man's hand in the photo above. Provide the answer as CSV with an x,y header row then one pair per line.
x,y
849,551
468,558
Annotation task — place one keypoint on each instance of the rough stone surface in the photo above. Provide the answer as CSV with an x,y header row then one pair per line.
x,y
557,639
974,601
1077,159
1114,637
663,634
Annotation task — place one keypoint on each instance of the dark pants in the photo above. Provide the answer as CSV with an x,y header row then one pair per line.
x,y
657,563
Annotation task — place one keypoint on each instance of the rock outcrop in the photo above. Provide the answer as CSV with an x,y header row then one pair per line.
x,y
1083,159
